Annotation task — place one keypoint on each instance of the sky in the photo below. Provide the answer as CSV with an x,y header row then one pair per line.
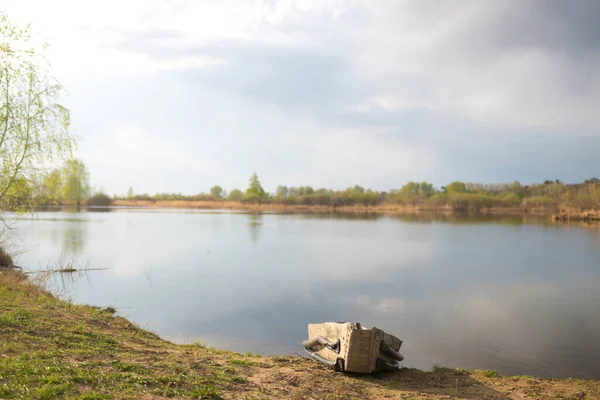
x,y
180,95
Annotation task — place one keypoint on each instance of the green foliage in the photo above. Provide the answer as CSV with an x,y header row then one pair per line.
x,y
217,192
75,181
20,195
130,193
235,195
511,199
540,202
255,191
241,362
281,192
456,187
490,373
33,125
413,192
459,196
52,187
206,392
517,189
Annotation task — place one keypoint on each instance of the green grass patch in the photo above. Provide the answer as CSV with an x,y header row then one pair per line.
x,y
128,367
241,363
17,317
207,391
489,373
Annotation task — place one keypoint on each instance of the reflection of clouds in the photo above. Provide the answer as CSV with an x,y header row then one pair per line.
x,y
396,306
128,266
540,329
356,250
547,329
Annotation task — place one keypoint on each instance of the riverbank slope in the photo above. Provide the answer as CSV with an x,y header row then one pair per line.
x,y
50,348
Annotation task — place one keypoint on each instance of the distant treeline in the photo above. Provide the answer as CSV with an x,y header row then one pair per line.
x,y
456,195
70,185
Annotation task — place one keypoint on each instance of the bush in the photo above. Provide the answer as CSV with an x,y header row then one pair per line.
x,y
439,199
99,200
539,202
511,200
235,195
5,259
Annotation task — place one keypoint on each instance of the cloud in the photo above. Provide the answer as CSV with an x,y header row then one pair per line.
x,y
492,62
332,92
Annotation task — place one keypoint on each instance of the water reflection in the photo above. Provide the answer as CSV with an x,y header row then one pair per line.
x,y
254,226
74,238
499,293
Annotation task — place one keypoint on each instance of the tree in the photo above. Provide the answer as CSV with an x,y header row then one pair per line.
x,y
595,194
517,189
76,184
281,191
52,186
217,192
20,196
427,189
255,190
130,193
456,187
415,192
33,125
235,195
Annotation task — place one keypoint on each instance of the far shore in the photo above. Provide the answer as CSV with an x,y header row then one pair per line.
x,y
561,214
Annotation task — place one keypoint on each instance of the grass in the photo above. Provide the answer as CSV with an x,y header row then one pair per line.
x,y
440,369
241,363
50,348
490,373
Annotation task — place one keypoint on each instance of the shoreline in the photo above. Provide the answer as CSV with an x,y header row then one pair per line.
x,y
51,348
561,214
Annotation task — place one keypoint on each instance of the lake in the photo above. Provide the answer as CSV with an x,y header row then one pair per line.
x,y
520,297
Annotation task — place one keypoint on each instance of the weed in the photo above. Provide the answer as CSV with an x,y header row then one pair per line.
x,y
207,391
109,310
439,369
239,379
490,373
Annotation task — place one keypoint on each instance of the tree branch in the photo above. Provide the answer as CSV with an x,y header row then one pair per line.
x,y
25,146
7,111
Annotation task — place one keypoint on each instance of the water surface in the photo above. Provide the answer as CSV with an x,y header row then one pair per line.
x,y
516,297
